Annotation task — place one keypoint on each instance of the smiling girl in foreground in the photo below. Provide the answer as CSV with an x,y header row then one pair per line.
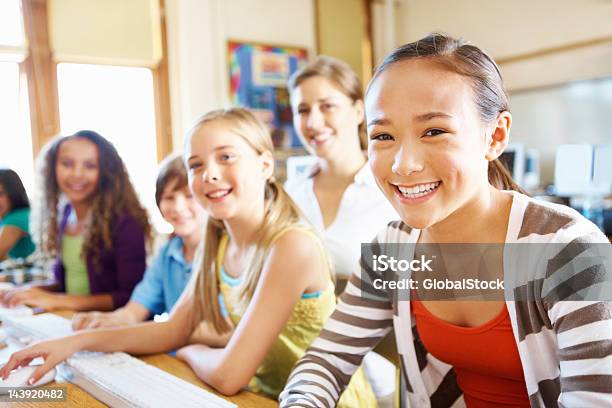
x,y
271,269
438,119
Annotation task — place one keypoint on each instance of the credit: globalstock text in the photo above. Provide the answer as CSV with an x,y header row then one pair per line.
x,y
440,284
383,263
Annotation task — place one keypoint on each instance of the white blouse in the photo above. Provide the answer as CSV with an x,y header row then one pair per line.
x,y
362,213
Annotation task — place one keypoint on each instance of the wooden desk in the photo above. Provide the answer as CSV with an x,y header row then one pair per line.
x,y
76,397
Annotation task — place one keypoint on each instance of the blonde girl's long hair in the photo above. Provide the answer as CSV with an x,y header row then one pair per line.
x,y
281,213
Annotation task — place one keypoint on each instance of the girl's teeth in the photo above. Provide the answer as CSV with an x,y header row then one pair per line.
x,y
218,194
418,191
319,138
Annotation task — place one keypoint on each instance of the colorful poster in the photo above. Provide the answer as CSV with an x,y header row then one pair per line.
x,y
258,80
270,69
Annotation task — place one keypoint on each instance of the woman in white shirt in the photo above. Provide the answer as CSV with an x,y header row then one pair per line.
x,y
339,196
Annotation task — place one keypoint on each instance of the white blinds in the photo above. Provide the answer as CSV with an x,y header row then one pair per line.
x,y
116,32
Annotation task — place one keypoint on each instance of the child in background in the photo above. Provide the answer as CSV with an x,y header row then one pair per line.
x,y
98,235
328,113
166,278
15,239
272,270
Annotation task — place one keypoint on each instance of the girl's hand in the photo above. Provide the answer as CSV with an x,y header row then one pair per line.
x,y
94,320
188,353
52,351
32,297
7,294
3,293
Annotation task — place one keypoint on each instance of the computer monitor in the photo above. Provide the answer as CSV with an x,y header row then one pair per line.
x,y
514,160
573,169
602,169
583,169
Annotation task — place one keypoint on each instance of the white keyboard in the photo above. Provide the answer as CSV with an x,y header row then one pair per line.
x,y
21,310
116,379
121,380
27,329
17,311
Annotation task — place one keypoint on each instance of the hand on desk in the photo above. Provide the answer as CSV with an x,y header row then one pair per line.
x,y
131,313
33,297
52,351
187,353
94,320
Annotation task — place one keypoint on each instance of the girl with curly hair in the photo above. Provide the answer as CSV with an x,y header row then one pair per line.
x,y
92,222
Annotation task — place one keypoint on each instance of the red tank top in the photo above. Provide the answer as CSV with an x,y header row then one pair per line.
x,y
485,358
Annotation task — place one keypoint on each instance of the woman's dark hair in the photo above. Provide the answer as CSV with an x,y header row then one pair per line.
x,y
113,198
13,187
463,58
172,168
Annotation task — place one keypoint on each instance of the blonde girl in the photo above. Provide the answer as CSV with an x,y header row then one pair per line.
x,y
271,269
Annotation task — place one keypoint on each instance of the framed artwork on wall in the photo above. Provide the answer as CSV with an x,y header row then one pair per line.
x,y
258,81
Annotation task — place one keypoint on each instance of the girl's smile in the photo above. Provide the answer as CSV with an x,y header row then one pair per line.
x,y
218,195
416,193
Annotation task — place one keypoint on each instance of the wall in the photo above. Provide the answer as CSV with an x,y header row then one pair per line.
x,y
383,29
198,31
510,28
555,68
342,33
521,28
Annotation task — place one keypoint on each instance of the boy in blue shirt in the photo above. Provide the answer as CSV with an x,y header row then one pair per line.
x,y
165,279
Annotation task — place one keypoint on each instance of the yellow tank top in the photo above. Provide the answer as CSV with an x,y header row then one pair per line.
x,y
303,326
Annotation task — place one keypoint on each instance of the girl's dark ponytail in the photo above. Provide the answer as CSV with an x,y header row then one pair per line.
x,y
501,178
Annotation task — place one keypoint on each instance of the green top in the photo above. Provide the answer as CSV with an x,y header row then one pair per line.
x,y
20,219
303,326
77,279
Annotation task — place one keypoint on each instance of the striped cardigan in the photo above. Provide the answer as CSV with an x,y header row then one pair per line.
x,y
565,346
